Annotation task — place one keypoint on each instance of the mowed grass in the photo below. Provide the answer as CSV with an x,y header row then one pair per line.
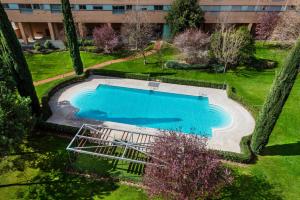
x,y
279,165
43,66
41,175
275,175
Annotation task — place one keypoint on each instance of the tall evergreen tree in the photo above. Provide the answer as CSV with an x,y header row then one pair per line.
x,y
276,99
184,14
15,59
70,32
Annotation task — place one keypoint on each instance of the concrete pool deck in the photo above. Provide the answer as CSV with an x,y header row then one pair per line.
x,y
226,139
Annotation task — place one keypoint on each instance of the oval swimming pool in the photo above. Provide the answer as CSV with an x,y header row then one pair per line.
x,y
153,109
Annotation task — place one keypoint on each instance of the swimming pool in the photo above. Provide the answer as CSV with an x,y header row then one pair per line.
x,y
153,109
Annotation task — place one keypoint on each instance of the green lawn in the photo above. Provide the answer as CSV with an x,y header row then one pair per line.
x,y
43,66
275,175
279,166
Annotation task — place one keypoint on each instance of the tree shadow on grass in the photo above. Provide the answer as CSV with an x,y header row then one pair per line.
x,y
67,187
251,188
292,149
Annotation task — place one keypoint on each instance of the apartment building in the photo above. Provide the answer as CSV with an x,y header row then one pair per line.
x,y
36,19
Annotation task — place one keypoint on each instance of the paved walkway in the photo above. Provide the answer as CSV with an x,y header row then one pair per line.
x,y
157,46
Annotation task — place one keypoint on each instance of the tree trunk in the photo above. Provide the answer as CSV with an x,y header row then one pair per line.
x,y
144,57
70,32
17,62
275,101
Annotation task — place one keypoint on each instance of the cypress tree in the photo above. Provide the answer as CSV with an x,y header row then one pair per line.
x,y
276,99
70,32
16,61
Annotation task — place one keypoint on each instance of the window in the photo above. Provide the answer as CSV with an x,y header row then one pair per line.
x,y
128,7
25,7
118,10
158,7
97,7
55,8
82,7
37,6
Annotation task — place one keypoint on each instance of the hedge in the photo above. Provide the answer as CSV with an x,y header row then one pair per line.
x,y
245,157
46,110
231,93
58,128
160,78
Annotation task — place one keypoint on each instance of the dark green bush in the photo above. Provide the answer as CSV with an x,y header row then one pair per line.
x,y
85,42
37,46
46,110
176,65
57,128
261,64
172,64
246,155
48,45
248,49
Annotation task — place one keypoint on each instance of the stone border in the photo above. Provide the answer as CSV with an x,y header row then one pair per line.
x,y
225,139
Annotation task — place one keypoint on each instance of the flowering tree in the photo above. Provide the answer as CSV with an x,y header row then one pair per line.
x,y
288,27
183,168
193,43
266,25
106,38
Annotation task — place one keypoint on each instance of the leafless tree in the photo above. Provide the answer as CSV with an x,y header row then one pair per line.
x,y
288,27
226,45
194,44
137,31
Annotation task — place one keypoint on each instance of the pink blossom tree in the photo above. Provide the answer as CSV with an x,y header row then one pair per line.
x,y
106,38
183,168
193,43
288,27
266,25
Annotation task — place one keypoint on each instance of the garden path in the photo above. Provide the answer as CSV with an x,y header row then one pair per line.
x,y
157,46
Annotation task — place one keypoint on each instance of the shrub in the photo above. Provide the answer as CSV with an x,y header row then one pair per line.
x,y
15,119
181,167
48,45
194,45
106,38
37,46
178,65
85,42
247,50
184,14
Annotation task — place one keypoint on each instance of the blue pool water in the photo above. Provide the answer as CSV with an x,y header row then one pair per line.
x,y
145,108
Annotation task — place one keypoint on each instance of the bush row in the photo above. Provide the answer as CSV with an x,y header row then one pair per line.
x,y
246,155
231,93
46,110
148,77
172,64
58,128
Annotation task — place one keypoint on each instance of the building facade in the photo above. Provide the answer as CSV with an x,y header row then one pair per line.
x,y
36,19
